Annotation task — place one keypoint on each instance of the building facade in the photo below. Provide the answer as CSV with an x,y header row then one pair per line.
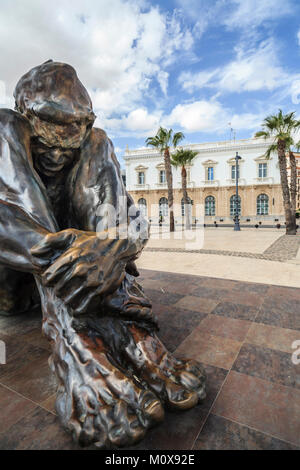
x,y
211,183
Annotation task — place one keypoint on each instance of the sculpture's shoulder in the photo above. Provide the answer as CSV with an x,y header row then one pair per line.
x,y
101,146
98,137
13,119
14,126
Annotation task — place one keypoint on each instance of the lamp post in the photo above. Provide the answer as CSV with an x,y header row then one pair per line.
x,y
236,215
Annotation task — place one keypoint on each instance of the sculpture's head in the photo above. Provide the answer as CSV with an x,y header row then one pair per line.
x,y
56,103
59,109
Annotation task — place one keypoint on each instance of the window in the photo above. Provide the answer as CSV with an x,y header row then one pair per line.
x,y
162,176
210,173
262,204
262,170
141,177
210,205
233,205
142,203
233,167
163,207
183,208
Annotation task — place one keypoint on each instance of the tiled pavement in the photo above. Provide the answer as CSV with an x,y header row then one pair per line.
x,y
283,249
241,332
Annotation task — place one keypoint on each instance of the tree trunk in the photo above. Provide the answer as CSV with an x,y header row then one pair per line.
x,y
289,216
293,187
170,188
185,199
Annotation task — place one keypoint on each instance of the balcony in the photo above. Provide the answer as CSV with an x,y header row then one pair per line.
x,y
161,185
264,180
212,183
141,187
232,182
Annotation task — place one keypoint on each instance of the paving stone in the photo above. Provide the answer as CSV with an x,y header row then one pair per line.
x,y
272,337
224,326
268,407
214,350
221,434
268,364
236,310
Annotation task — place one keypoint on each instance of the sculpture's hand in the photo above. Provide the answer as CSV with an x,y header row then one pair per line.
x,y
83,266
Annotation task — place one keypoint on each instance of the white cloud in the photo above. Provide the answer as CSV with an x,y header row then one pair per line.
x,y
138,123
162,78
254,70
210,116
244,15
251,70
252,13
197,116
295,91
117,46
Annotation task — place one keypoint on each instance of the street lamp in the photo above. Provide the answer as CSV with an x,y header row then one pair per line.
x,y
236,215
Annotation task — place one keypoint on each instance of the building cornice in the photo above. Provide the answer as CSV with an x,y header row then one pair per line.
x,y
239,145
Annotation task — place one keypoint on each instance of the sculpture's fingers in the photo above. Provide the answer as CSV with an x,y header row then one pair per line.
x,y
69,299
59,267
64,284
83,305
125,249
53,242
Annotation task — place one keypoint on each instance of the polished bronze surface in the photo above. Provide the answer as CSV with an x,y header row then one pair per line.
x,y
57,173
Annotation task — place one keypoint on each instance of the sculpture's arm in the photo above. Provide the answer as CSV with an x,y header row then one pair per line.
x,y
92,266
25,214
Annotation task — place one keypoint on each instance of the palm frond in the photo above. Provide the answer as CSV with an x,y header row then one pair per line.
x,y
264,134
272,148
182,157
177,137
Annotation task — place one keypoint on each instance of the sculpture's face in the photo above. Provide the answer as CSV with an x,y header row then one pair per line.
x,y
51,160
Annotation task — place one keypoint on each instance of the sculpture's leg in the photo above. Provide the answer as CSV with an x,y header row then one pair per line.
x,y
180,383
96,402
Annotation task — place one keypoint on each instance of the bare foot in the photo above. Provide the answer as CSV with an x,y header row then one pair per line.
x,y
96,402
188,375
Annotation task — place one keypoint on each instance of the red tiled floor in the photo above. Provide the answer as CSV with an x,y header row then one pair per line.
x,y
39,430
197,304
275,366
240,332
268,407
34,380
272,337
222,434
12,408
222,326
213,350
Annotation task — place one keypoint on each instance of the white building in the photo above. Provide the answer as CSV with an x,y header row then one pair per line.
x,y
211,182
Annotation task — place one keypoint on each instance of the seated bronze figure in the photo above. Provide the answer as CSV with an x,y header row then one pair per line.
x,y
56,172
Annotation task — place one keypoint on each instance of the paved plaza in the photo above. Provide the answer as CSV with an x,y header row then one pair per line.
x,y
242,332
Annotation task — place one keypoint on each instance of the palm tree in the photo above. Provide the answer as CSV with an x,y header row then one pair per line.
x,y
293,185
281,128
182,158
163,140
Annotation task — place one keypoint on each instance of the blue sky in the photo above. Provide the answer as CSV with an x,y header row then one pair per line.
x,y
193,65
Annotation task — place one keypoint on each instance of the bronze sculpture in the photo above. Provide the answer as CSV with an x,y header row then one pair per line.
x,y
56,172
